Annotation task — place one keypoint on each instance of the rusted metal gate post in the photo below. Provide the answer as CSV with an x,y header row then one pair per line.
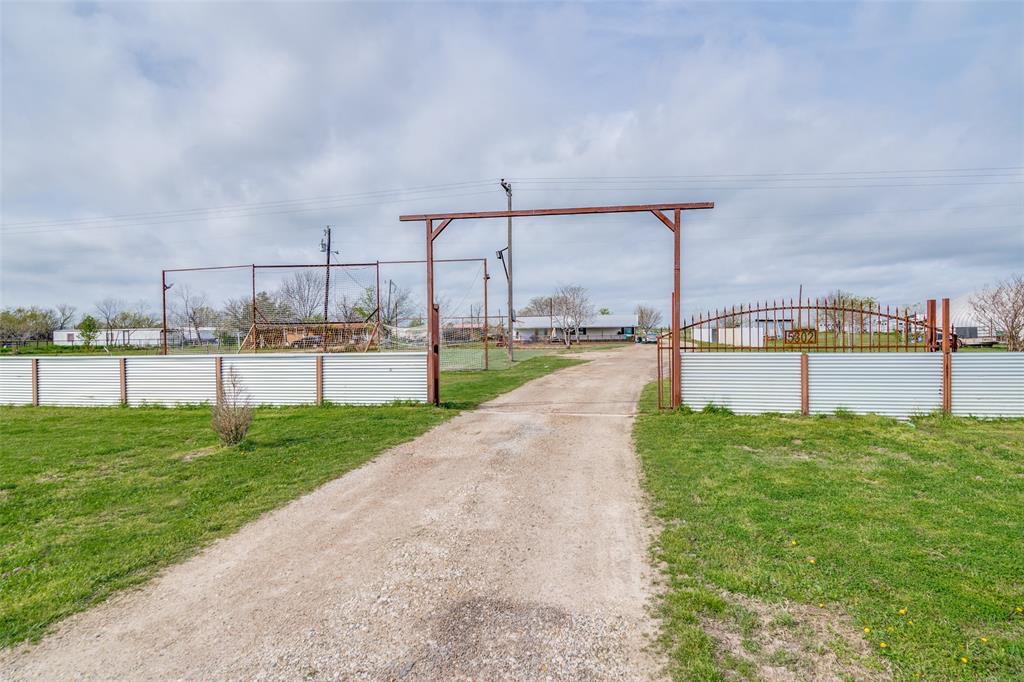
x,y
35,382
947,358
805,385
122,365
677,349
487,363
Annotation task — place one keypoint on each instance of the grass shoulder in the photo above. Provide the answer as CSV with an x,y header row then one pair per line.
x,y
93,500
893,547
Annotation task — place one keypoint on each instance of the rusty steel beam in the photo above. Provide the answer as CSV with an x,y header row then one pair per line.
x,y
675,225
663,218
581,210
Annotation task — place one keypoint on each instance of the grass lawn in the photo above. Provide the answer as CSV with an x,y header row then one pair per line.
x,y
849,532
96,499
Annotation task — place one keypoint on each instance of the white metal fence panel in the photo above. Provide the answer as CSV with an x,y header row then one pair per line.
x,y
746,383
892,384
988,384
171,379
374,378
91,381
274,379
16,381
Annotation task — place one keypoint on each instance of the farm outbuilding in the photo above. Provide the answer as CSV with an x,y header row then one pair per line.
x,y
597,328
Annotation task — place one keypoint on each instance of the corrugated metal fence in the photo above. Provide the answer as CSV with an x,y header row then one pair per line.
x,y
268,379
893,384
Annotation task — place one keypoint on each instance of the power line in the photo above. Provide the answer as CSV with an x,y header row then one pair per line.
x,y
567,184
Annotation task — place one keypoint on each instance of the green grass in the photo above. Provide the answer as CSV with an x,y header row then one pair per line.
x,y
93,500
925,516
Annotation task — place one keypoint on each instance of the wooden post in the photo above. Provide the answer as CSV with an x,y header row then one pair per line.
x,y
217,362
123,366
947,359
319,380
35,381
805,386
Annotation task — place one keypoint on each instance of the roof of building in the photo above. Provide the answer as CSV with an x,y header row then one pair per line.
x,y
595,322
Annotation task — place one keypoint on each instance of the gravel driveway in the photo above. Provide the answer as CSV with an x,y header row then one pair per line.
x,y
508,543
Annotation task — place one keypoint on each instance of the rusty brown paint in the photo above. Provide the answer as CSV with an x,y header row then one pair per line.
x,y
805,385
947,359
319,380
433,333
123,368
580,210
218,376
35,381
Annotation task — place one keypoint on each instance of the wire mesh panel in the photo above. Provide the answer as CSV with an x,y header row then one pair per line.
x,y
271,308
344,307
315,307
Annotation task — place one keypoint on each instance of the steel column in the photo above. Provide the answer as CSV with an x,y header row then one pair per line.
x,y
35,381
947,359
487,364
218,380
432,340
319,380
676,367
805,385
123,368
163,305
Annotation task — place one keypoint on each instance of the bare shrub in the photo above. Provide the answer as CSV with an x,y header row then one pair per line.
x,y
232,414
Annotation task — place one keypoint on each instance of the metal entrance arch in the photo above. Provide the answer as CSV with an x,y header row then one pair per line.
x,y
674,225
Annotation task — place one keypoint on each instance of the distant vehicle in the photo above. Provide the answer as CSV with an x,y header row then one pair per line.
x,y
307,342
649,337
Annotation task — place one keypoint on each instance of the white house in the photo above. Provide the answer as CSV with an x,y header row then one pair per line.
x,y
148,336
598,328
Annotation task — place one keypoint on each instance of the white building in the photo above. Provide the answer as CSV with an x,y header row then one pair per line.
x,y
598,328
147,336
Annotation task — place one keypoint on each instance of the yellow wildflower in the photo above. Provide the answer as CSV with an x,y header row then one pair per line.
x,y
793,543
812,560
984,640
821,605
903,612
867,631
910,622
882,644
963,659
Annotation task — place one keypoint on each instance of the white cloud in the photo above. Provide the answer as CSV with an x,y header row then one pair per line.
x,y
164,107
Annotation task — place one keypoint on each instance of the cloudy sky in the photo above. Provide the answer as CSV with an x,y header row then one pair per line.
x,y
874,147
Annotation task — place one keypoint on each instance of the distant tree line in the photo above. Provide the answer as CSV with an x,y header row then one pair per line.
x,y
299,298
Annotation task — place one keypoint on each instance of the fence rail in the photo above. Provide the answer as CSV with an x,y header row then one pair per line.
x,y
268,379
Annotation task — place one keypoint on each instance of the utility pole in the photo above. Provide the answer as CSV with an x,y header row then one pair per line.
x,y
325,247
507,186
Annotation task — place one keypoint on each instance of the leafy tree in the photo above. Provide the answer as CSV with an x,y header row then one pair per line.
x,y
89,330
604,311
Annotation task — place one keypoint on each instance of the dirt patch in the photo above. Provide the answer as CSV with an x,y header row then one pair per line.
x,y
783,642
201,452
